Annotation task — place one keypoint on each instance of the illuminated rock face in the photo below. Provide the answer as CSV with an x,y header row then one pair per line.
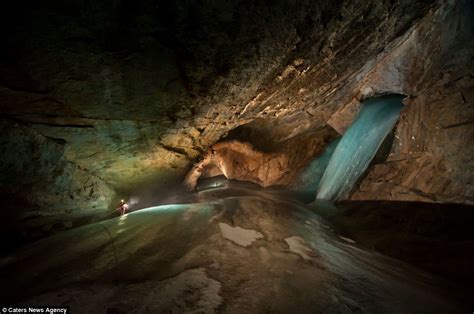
x,y
139,91
241,161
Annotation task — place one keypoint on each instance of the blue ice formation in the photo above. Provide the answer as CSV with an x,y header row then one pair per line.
x,y
358,146
311,176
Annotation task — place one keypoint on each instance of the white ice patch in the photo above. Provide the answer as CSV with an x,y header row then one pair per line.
x,y
346,239
240,236
189,213
298,245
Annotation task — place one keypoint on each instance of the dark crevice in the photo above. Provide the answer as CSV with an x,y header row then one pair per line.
x,y
58,125
455,125
60,141
23,118
399,160
176,150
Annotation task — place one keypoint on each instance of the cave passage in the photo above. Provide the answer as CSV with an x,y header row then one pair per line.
x,y
359,145
237,156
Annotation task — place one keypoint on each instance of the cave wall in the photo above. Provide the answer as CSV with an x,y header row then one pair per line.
x,y
41,191
31,161
432,156
139,89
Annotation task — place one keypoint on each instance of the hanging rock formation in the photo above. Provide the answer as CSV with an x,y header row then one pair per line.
x,y
241,161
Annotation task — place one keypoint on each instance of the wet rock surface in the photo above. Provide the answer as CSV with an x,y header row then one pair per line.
x,y
176,258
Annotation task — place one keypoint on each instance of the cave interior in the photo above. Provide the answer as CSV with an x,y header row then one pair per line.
x,y
237,156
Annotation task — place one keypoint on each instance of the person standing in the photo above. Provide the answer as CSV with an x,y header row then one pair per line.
x,y
122,207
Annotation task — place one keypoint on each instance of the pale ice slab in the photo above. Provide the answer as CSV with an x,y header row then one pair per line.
x,y
240,236
346,239
298,246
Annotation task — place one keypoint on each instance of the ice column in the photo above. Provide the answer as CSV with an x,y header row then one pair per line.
x,y
311,176
359,145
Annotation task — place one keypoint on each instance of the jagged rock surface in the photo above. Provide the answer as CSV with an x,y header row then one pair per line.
x,y
42,190
242,161
432,156
138,90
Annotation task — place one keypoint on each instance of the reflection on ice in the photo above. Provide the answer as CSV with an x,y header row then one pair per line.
x,y
235,249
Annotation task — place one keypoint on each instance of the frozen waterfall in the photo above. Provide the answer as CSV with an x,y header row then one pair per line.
x,y
359,145
312,175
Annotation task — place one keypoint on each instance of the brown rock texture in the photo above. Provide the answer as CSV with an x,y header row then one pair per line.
x,y
138,91
50,192
241,161
432,156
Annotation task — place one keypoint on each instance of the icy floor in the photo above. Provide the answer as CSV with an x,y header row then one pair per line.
x,y
236,249
240,236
